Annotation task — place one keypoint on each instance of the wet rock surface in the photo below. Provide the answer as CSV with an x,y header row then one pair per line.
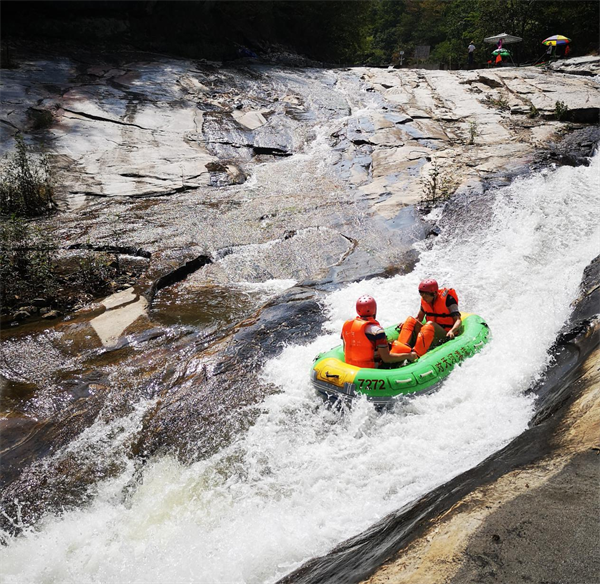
x,y
541,535
245,192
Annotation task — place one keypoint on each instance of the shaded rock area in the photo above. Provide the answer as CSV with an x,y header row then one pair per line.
x,y
543,533
574,149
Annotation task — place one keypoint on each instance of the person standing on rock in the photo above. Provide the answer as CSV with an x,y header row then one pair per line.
x,y
439,307
365,341
471,50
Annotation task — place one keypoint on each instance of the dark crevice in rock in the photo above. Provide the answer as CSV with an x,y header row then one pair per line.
x,y
91,194
581,115
490,81
350,250
11,125
179,274
122,249
362,142
182,189
581,72
101,119
136,175
150,194
258,150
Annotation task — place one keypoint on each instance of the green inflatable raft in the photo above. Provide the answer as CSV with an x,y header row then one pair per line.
x,y
333,378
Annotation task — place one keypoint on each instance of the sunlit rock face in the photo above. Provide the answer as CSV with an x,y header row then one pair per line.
x,y
469,124
151,128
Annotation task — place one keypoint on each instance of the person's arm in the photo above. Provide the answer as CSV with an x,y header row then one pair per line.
x,y
387,357
382,348
455,327
452,307
421,315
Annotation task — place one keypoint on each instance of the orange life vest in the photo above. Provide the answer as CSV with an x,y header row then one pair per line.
x,y
439,311
358,349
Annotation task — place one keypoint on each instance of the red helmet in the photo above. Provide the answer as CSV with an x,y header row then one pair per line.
x,y
366,306
428,285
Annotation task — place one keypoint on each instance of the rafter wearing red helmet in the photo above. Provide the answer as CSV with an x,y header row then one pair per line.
x,y
365,341
439,309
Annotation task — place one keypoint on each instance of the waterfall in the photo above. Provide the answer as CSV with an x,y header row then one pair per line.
x,y
305,476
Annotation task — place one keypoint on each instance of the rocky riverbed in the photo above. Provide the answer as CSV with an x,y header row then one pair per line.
x,y
240,194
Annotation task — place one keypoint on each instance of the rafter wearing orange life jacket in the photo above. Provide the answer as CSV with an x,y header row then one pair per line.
x,y
417,338
409,340
440,311
359,349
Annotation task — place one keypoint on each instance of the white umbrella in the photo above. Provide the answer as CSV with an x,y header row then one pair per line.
x,y
506,39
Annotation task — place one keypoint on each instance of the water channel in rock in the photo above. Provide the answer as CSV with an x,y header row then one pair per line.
x,y
297,477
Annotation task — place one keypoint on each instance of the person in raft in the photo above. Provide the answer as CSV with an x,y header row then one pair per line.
x,y
365,342
439,307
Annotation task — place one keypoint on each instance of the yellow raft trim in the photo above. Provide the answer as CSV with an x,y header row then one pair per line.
x,y
333,371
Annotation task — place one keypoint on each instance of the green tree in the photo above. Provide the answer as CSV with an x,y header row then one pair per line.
x,y
26,186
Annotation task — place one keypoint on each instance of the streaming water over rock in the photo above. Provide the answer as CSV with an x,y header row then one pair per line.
x,y
170,432
304,476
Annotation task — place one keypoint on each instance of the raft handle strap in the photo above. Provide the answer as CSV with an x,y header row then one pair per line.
x,y
476,345
426,374
403,380
330,376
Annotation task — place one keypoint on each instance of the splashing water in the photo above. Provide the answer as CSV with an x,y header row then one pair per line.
x,y
305,477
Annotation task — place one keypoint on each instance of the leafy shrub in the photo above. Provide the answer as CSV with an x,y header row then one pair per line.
x,y
26,187
40,118
473,131
27,257
94,274
560,109
501,102
533,111
437,187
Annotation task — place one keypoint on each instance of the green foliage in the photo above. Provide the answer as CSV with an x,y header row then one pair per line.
x,y
41,119
29,268
437,187
338,31
533,111
26,186
560,110
332,31
500,102
93,274
448,27
27,256
473,131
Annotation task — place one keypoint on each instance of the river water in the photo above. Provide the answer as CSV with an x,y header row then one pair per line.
x,y
305,477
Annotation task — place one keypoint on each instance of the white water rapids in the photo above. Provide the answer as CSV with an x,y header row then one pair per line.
x,y
304,477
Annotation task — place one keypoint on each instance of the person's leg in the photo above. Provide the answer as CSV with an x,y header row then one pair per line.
x,y
407,337
399,348
424,339
439,335
409,330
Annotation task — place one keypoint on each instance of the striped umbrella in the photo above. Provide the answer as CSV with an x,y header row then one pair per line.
x,y
557,39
